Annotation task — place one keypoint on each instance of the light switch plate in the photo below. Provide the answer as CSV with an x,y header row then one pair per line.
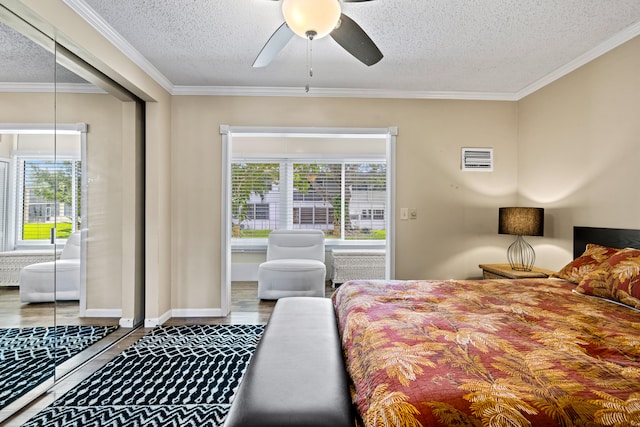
x,y
404,213
413,213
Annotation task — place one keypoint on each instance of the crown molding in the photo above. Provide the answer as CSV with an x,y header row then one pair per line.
x,y
50,87
604,47
27,87
337,93
108,32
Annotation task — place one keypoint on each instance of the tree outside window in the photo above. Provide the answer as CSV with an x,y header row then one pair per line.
x,y
50,197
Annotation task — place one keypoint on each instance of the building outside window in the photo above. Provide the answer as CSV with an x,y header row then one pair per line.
x,y
293,194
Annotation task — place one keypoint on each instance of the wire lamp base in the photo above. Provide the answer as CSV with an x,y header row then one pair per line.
x,y
521,255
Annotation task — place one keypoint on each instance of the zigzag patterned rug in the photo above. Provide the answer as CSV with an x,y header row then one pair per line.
x,y
174,376
28,355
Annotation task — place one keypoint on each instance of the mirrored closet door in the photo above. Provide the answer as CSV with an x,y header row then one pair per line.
x,y
71,278
27,331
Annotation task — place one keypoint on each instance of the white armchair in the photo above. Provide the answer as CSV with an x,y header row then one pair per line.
x,y
36,280
295,265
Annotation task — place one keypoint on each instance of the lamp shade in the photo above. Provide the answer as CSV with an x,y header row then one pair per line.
x,y
521,221
316,16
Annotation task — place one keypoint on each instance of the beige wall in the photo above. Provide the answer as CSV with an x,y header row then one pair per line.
x,y
457,211
579,150
103,114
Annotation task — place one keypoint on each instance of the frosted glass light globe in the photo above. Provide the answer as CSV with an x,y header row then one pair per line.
x,y
319,16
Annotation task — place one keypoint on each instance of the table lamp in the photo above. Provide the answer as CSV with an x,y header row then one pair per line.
x,y
521,222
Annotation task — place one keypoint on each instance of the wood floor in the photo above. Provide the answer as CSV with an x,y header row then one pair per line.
x,y
14,314
246,308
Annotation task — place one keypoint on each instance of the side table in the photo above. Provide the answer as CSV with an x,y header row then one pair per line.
x,y
504,271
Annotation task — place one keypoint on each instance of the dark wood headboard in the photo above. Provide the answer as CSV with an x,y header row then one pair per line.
x,y
611,237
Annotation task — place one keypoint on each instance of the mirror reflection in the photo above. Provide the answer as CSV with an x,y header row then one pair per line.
x,y
26,339
61,216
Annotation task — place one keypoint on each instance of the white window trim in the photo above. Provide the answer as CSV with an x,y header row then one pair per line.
x,y
16,193
52,129
227,132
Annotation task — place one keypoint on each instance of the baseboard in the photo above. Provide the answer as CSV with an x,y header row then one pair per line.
x,y
196,312
103,312
182,312
157,321
126,322
130,322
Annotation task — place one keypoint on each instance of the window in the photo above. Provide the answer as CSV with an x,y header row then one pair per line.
x,y
365,158
253,190
314,193
48,195
45,184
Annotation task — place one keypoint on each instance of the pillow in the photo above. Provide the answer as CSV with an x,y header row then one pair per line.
x,y
592,257
617,279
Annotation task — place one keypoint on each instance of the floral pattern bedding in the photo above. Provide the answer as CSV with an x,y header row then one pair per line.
x,y
488,353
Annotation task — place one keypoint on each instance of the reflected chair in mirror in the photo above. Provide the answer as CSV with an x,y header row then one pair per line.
x,y
295,265
36,280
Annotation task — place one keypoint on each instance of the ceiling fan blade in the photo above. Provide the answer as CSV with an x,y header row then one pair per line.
x,y
354,40
273,46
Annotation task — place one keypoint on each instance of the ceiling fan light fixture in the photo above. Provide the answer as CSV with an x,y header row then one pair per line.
x,y
311,16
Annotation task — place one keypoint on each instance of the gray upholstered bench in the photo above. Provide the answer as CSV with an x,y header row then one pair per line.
x,y
297,375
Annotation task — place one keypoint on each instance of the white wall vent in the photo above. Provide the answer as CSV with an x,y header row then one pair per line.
x,y
477,159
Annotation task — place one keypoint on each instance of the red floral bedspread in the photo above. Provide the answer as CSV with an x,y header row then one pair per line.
x,y
488,353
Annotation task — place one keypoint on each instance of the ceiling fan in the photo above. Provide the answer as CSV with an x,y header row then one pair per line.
x,y
313,19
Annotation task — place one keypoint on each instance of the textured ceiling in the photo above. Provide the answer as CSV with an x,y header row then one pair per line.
x,y
499,47
24,61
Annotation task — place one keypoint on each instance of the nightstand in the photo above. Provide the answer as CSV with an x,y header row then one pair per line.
x,y
504,271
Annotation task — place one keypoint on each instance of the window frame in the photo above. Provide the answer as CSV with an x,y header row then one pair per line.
x,y
19,187
228,132
79,129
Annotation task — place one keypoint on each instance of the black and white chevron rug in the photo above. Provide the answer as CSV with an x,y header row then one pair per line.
x,y
173,376
28,355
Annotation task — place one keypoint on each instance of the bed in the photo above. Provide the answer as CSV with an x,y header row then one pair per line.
x,y
559,351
